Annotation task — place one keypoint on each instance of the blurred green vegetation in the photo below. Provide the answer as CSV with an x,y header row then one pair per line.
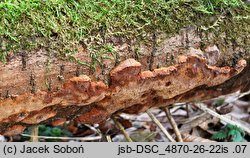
x,y
50,132
230,133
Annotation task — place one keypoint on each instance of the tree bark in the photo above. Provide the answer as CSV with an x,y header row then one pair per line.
x,y
39,88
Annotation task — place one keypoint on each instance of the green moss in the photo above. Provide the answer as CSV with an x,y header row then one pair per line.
x,y
62,25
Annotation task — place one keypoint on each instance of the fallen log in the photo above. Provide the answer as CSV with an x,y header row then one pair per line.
x,y
64,61
131,90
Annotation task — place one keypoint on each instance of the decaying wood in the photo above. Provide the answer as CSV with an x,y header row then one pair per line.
x,y
130,90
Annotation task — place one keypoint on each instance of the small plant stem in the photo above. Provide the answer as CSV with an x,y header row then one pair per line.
x,y
163,129
121,128
88,138
187,110
108,138
34,134
173,124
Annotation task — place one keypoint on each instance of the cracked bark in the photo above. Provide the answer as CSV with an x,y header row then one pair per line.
x,y
51,93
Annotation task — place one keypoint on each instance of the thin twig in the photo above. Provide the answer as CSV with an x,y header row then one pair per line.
x,y
187,110
244,94
222,118
173,124
89,138
34,133
96,130
163,129
108,138
235,96
121,128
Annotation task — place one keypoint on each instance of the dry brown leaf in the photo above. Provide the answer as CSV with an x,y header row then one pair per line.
x,y
227,108
188,125
191,138
206,125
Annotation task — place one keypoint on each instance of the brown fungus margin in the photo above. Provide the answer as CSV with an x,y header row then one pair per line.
x,y
131,90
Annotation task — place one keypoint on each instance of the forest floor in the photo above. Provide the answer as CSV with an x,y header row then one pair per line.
x,y
224,119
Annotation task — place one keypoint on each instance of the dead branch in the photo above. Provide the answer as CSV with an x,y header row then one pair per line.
x,y
121,128
163,129
173,124
131,90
